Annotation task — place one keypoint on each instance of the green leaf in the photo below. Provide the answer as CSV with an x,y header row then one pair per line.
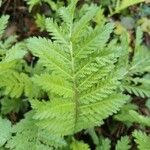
x,y
18,51
142,91
0,3
28,136
3,24
9,105
129,114
55,31
148,103
79,145
78,88
40,21
123,144
123,4
69,118
139,36
32,3
142,140
54,84
80,25
105,145
5,131
96,40
51,55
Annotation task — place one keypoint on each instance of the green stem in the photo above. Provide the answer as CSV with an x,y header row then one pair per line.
x,y
94,136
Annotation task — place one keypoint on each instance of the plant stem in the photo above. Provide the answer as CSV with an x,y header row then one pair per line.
x,y
94,136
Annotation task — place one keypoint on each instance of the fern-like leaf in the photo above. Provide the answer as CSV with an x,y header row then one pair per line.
x,y
122,4
32,137
55,31
15,84
5,131
123,144
78,145
10,105
80,25
141,91
82,92
51,55
3,24
141,59
131,116
65,111
54,84
105,145
17,51
142,140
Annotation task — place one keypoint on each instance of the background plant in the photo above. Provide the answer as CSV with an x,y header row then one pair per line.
x,y
79,75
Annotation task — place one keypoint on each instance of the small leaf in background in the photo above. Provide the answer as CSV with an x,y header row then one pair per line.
x,y
126,3
52,4
145,24
3,23
123,143
119,30
105,2
141,139
100,18
40,21
148,103
128,22
144,10
32,3
79,145
105,144
18,51
5,131
9,105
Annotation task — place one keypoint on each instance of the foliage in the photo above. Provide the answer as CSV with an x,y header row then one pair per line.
x,y
82,74
5,130
69,78
129,114
29,136
116,6
51,3
104,145
122,4
142,140
123,144
75,145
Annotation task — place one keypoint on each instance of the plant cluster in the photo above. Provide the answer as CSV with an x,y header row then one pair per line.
x,y
81,74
